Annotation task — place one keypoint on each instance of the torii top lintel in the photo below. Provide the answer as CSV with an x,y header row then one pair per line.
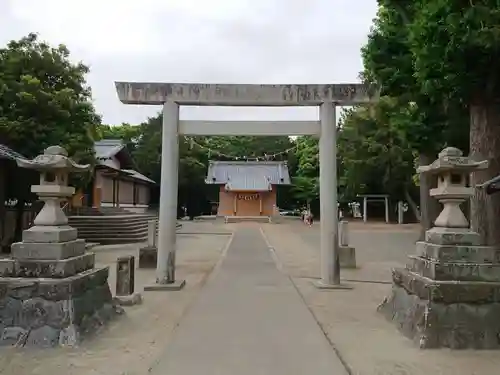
x,y
156,93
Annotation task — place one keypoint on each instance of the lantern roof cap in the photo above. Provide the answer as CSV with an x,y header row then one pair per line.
x,y
452,159
53,158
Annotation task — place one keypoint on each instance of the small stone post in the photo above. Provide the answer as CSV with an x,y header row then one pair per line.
x,y
386,201
125,280
344,233
148,255
347,254
152,233
365,209
125,275
400,212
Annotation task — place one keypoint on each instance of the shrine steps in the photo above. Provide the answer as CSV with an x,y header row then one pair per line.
x,y
240,219
112,228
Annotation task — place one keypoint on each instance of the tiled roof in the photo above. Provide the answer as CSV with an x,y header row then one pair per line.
x,y
248,175
107,148
8,153
138,175
248,183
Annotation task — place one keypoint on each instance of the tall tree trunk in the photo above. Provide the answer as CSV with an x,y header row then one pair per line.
x,y
485,145
429,207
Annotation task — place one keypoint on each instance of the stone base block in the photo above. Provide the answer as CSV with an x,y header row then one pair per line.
x,y
54,312
347,257
433,324
60,233
175,286
452,236
448,292
54,250
321,285
37,268
458,253
148,256
130,300
455,271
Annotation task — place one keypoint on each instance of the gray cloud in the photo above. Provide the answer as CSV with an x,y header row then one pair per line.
x,y
227,41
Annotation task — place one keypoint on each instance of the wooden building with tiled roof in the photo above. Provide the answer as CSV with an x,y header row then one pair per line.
x,y
247,188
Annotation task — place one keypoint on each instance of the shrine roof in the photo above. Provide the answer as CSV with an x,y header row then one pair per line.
x,y
248,175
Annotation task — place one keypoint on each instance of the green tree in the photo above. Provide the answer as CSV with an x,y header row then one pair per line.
x,y
128,134
374,155
306,180
44,101
429,122
456,50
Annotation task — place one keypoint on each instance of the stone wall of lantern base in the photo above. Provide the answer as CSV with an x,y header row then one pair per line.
x,y
50,268
444,314
454,271
347,257
47,250
148,257
42,312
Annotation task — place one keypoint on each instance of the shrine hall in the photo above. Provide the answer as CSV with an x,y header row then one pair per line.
x,y
247,188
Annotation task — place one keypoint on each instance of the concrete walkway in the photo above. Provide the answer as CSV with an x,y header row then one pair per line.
x,y
248,320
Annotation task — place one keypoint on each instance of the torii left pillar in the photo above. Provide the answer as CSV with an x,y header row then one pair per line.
x,y
165,268
329,233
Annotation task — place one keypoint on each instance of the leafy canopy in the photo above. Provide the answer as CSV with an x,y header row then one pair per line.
x,y
44,101
456,45
429,119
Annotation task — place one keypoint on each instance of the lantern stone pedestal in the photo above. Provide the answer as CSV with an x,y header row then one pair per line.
x,y
50,292
448,295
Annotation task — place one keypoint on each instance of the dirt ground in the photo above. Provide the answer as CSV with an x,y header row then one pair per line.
x,y
366,342
131,343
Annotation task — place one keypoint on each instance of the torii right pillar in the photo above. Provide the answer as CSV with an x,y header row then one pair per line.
x,y
448,295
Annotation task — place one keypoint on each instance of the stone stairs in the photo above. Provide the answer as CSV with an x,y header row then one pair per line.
x,y
110,226
92,211
241,219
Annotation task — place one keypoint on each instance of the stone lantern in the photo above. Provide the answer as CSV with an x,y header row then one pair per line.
x,y
452,170
57,291
54,167
448,293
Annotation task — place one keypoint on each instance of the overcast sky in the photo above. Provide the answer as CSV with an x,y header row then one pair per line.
x,y
203,41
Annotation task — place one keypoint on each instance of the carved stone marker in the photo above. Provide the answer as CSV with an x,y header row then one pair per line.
x,y
50,292
449,293
125,281
347,254
125,275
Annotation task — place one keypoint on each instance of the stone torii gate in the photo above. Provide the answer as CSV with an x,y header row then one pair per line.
x,y
172,95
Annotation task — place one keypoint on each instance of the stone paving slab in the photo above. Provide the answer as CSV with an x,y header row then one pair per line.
x,y
249,319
